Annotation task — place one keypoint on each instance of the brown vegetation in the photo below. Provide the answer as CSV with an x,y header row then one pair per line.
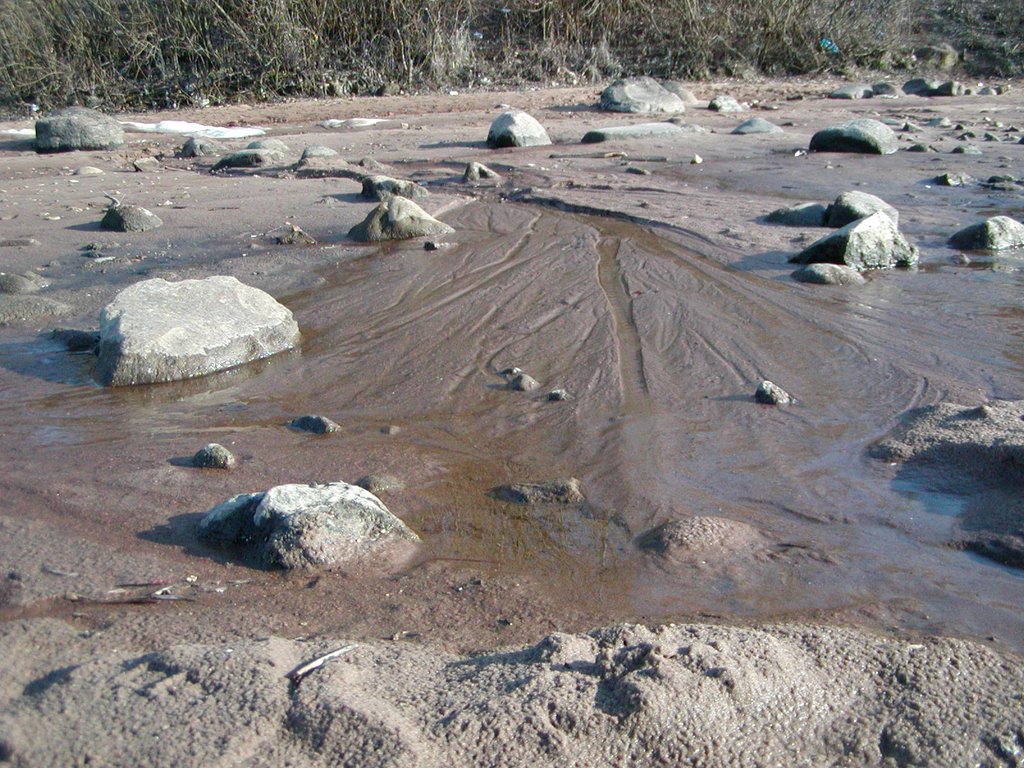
x,y
164,53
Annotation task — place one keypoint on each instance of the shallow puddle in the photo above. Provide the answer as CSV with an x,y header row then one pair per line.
x,y
660,348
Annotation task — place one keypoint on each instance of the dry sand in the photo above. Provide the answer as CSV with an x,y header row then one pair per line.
x,y
659,302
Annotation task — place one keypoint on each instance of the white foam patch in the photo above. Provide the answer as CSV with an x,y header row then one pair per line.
x,y
353,122
193,129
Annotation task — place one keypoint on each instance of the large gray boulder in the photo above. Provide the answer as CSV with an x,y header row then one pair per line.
x,y
397,219
77,128
995,234
869,243
863,135
516,129
850,206
640,95
157,331
304,526
636,131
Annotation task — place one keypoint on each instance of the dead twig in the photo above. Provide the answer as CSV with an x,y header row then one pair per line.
x,y
297,674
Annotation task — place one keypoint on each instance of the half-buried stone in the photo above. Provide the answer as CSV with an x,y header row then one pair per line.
x,y
640,95
516,129
756,125
157,331
800,215
305,526
869,243
863,135
77,128
828,274
698,534
994,234
637,131
125,217
213,456
397,219
380,187
564,491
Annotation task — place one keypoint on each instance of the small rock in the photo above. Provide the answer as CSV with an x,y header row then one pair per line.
x,y
147,165
197,146
873,242
377,484
523,382
77,128
726,103
295,236
850,206
966,149
863,135
398,219
637,171
558,395
634,131
477,171
565,491
379,187
640,95
919,86
853,92
124,217
24,282
756,125
801,215
771,394
516,129
434,245
275,145
315,150
920,148
996,233
249,158
954,180
939,122
828,274
885,90
77,341
696,160
89,170
213,456
391,430
318,425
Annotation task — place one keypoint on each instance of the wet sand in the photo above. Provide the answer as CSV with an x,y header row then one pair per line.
x,y
659,302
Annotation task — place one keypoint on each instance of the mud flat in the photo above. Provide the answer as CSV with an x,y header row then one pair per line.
x,y
809,579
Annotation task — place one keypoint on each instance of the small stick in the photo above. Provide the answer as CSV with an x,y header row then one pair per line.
x,y
138,584
114,202
297,674
58,572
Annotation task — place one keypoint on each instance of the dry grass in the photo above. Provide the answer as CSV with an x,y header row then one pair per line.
x,y
162,53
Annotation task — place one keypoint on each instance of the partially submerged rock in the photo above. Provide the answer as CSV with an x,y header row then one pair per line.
x,y
516,129
634,131
828,274
377,483
380,187
698,534
980,441
213,456
125,217
157,331
316,424
870,243
769,393
77,128
995,234
564,491
397,219
640,95
850,206
863,135
305,526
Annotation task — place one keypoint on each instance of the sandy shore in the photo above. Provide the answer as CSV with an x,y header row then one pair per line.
x,y
646,286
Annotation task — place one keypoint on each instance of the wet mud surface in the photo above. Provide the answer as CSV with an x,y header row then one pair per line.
x,y
657,302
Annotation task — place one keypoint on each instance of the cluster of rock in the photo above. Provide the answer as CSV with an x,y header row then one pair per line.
x,y
918,86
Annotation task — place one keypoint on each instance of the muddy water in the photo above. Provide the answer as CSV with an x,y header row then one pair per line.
x,y
661,343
